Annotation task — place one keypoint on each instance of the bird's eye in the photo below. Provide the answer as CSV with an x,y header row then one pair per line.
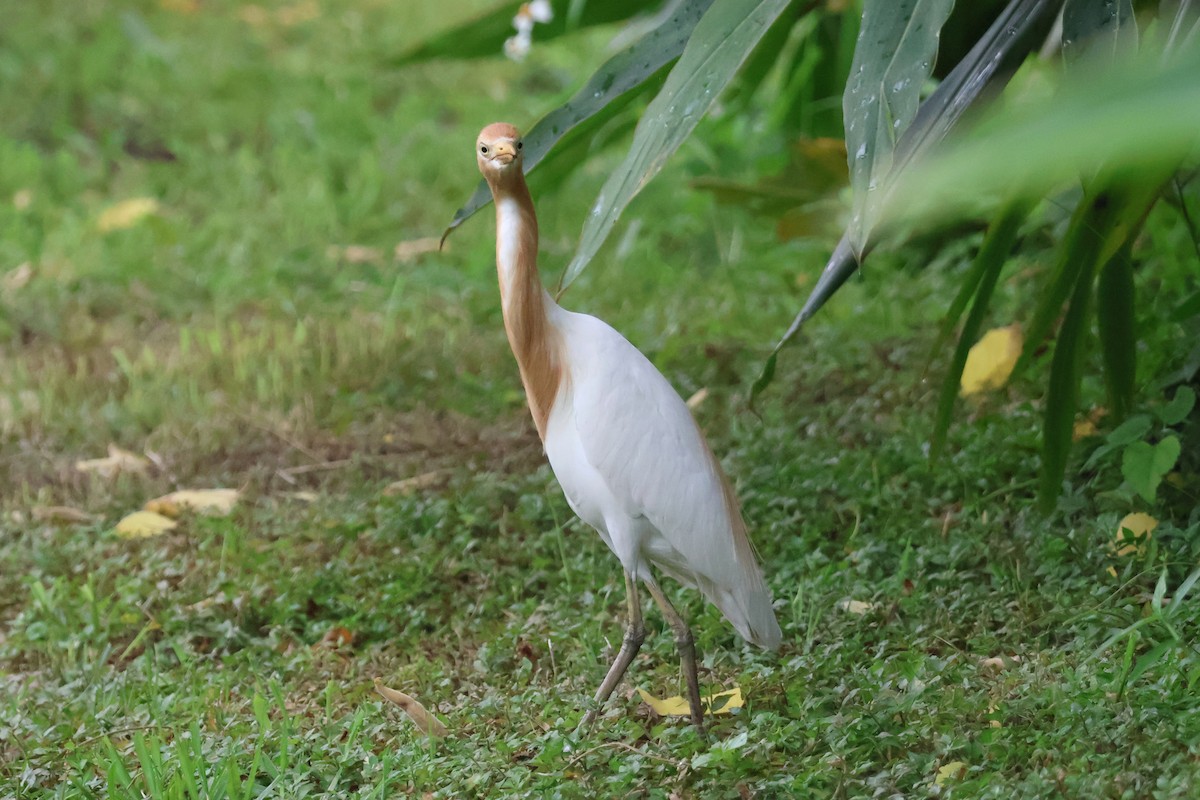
x,y
520,145
483,149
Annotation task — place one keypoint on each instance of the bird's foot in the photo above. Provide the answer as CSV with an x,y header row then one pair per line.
x,y
586,723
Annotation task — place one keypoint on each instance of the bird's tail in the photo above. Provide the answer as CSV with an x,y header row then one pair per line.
x,y
748,609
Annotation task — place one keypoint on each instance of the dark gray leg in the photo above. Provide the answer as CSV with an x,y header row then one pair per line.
x,y
687,652
635,634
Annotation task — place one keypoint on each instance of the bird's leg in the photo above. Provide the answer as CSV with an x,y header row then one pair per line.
x,y
635,634
687,652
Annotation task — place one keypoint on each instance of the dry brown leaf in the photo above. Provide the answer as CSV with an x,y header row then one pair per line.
x,y
336,637
64,514
116,462
211,502
424,721
991,360
17,277
407,486
143,525
126,214
354,254
413,249
719,703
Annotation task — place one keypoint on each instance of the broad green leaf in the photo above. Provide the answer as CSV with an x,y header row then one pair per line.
x,y
818,72
1185,22
1078,254
764,60
988,263
1144,465
603,94
1189,307
722,40
1016,32
1131,430
1182,592
1160,591
1118,340
1141,113
1098,29
1150,658
484,36
1180,406
897,45
1062,396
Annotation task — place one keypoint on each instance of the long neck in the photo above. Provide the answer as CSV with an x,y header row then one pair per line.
x,y
533,338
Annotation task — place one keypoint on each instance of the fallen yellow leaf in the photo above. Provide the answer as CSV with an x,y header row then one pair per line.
x,y
126,214
859,607
117,461
1133,531
950,771
143,525
991,360
697,398
719,703
416,712
213,502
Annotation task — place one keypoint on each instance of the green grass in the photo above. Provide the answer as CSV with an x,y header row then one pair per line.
x,y
224,338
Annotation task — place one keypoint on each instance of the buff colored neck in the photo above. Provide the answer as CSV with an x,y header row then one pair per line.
x,y
524,301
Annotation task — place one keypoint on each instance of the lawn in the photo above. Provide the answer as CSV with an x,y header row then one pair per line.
x,y
213,258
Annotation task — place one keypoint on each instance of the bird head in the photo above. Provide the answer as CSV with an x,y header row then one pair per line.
x,y
498,152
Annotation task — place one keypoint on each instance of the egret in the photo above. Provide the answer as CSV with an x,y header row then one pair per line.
x,y
630,458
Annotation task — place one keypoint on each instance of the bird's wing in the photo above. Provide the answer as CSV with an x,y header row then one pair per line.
x,y
641,438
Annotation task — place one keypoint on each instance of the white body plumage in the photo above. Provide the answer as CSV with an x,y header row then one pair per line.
x,y
634,466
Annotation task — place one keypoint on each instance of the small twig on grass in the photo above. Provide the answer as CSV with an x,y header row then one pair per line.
x,y
630,748
324,465
283,437
117,732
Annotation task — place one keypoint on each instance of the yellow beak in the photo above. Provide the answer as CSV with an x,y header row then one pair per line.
x,y
504,152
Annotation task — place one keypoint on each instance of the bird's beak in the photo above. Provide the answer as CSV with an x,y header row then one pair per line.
x,y
504,152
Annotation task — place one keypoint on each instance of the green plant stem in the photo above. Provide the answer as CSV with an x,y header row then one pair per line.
x,y
1118,335
985,272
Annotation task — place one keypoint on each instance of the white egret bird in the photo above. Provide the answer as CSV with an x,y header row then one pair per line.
x,y
632,462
